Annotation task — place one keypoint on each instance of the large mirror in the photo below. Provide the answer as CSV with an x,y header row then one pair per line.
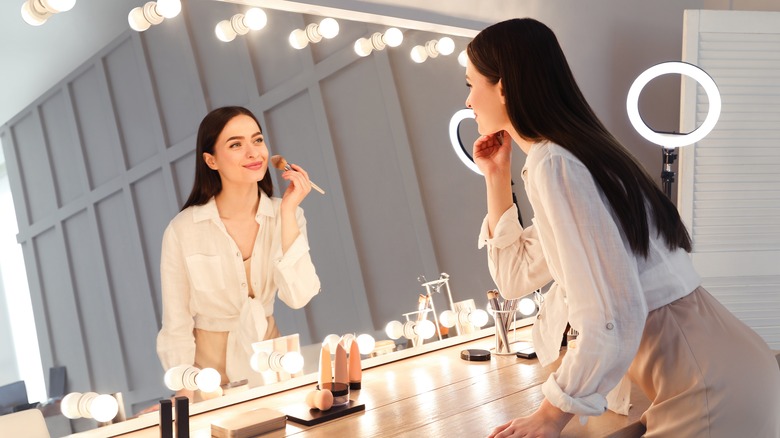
x,y
118,134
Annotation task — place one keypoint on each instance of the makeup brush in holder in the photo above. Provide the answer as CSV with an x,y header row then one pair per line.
x,y
502,314
280,163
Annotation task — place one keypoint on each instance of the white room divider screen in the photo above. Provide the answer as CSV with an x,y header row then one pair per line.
x,y
729,187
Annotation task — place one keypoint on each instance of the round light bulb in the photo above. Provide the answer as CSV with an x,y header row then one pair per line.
x,y
332,341
366,343
393,37
363,47
425,329
419,55
69,406
478,318
173,378
103,408
259,361
298,39
463,58
224,31
208,380
137,20
446,46
31,17
346,340
329,28
59,5
168,8
292,362
255,18
394,329
448,318
526,306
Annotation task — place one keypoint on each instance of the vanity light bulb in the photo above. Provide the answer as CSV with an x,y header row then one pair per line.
x,y
363,47
332,341
137,21
259,361
329,28
366,344
445,46
448,318
58,5
208,380
168,8
31,17
478,318
393,37
292,362
463,58
103,408
419,55
526,306
394,329
347,340
224,31
425,329
298,39
255,18
69,406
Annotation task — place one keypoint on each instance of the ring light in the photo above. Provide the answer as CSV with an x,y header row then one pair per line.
x,y
674,140
457,144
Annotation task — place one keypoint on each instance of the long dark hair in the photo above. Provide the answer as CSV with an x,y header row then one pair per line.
x,y
207,182
544,102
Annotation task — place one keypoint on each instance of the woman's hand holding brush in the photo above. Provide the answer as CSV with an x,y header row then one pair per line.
x,y
280,163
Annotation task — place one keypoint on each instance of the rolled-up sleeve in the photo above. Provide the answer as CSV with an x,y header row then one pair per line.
x,y
515,257
294,272
598,273
175,342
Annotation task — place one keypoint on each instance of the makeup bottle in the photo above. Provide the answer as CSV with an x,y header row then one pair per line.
x,y
355,366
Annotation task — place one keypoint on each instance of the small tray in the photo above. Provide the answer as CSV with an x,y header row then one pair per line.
x,y
302,414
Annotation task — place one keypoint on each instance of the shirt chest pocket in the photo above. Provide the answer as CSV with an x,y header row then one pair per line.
x,y
206,272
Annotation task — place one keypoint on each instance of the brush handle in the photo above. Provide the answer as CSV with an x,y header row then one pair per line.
x,y
314,186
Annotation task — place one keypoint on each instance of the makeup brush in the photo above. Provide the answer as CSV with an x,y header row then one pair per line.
x,y
280,163
492,297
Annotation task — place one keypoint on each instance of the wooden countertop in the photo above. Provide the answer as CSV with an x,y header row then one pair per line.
x,y
433,394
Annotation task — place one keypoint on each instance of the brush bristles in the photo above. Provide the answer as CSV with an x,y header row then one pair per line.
x,y
278,162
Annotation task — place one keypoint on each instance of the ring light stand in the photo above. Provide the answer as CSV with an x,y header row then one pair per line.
x,y
671,141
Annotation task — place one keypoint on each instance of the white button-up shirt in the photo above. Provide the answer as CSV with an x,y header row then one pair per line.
x,y
600,286
204,283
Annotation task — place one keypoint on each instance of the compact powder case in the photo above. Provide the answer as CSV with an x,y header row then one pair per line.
x,y
475,355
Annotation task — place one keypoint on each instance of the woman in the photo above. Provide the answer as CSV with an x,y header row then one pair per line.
x,y
230,250
616,250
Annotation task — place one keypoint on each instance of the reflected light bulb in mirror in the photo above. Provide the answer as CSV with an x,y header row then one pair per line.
x,y
224,31
347,340
290,362
445,46
137,20
366,344
168,8
448,318
255,18
58,5
526,306
69,406
363,47
463,58
31,17
478,317
329,28
298,39
208,380
332,341
393,37
104,408
394,329
424,329
419,55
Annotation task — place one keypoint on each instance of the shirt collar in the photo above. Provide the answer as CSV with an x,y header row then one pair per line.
x,y
208,211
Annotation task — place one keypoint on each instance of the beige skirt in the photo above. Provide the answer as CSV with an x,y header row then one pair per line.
x,y
706,373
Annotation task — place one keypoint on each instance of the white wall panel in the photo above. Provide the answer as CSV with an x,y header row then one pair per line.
x,y
730,181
